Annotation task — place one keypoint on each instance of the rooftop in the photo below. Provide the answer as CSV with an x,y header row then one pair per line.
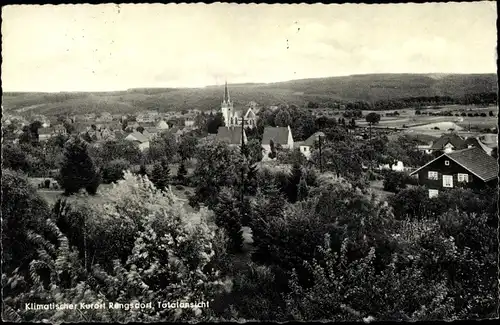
x,y
232,135
477,161
452,138
279,135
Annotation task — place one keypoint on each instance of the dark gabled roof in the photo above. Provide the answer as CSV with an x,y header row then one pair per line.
x,y
452,138
475,160
147,124
472,142
232,135
313,138
279,135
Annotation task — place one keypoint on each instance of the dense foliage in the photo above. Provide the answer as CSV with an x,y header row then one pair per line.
x,y
174,256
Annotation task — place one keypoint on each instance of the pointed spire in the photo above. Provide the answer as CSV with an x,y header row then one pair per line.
x,y
227,99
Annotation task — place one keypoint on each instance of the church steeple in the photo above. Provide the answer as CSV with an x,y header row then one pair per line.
x,y
227,99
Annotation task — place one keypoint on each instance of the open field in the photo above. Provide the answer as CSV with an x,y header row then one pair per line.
x,y
408,117
370,87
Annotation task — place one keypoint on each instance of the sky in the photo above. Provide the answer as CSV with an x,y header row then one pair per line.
x,y
116,47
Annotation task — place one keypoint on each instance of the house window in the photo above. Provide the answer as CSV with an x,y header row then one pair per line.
x,y
446,162
447,181
432,175
463,178
433,193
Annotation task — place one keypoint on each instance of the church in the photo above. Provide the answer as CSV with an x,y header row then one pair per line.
x,y
233,117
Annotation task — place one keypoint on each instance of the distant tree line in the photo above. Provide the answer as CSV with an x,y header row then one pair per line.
x,y
484,98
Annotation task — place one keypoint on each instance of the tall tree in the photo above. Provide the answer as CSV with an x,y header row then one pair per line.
x,y
187,146
160,175
182,172
302,190
218,165
228,217
283,118
78,170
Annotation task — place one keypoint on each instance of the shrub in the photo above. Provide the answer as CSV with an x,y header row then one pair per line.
x,y
23,211
394,181
113,171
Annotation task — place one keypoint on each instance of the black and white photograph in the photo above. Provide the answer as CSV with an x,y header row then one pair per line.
x,y
224,162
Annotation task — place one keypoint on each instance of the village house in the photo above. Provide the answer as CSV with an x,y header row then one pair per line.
x,y
398,166
89,117
471,167
152,131
162,125
277,137
45,133
139,138
448,143
132,126
231,135
147,117
105,117
60,129
188,123
306,145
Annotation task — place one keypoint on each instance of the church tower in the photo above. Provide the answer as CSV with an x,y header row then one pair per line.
x,y
227,107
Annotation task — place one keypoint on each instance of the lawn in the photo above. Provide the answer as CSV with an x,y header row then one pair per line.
x,y
378,188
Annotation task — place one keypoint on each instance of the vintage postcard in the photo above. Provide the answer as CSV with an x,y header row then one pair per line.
x,y
238,162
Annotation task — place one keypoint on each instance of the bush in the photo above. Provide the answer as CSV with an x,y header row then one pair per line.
x,y
47,183
23,212
113,171
394,181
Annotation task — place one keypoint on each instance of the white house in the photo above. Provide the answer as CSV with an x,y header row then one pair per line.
x,y
397,167
162,125
188,123
306,146
276,136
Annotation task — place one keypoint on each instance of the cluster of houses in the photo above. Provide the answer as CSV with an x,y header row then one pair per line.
x,y
279,137
141,128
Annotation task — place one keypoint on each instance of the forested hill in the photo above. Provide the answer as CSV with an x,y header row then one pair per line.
x,y
370,87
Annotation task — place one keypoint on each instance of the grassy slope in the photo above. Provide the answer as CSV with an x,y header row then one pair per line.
x,y
359,87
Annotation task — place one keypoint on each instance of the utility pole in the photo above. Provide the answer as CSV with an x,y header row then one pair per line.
x,y
242,194
320,155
